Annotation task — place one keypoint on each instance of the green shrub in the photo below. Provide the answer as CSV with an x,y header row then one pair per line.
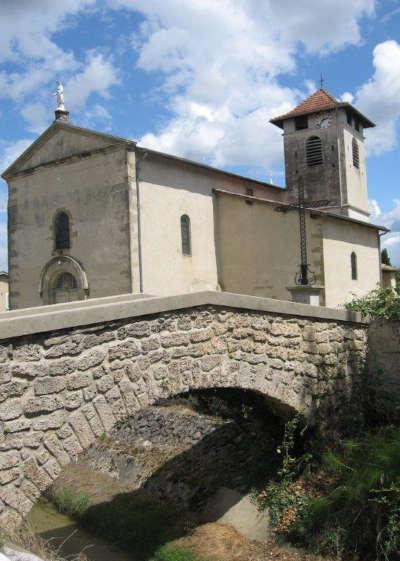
x,y
171,553
69,502
381,303
359,518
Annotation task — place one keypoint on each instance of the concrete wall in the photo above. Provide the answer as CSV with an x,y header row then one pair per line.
x,y
60,390
340,239
3,294
259,247
168,190
93,189
356,194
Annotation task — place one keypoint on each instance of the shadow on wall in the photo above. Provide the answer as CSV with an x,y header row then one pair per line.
x,y
239,453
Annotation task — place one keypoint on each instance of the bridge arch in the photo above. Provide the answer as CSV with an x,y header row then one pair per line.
x,y
61,389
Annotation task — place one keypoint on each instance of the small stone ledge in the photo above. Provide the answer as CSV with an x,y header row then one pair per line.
x,y
99,310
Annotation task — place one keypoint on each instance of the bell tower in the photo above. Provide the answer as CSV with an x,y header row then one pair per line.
x,y
324,145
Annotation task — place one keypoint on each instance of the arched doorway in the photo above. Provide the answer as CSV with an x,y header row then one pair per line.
x,y
63,280
65,289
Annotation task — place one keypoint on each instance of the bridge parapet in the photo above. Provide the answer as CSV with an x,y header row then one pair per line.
x,y
67,376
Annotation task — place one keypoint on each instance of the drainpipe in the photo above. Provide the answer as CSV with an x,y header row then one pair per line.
x,y
138,161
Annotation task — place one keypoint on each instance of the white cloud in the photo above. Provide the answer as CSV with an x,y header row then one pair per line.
x,y
98,76
379,98
11,151
26,38
347,97
37,116
221,63
26,27
391,219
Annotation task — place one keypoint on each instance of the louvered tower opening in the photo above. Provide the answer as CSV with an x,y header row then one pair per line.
x,y
356,154
313,151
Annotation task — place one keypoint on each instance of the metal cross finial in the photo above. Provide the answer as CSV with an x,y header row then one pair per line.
x,y
322,80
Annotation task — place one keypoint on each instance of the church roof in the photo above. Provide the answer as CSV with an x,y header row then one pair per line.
x,y
321,100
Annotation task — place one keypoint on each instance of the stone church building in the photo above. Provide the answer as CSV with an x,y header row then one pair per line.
x,y
93,215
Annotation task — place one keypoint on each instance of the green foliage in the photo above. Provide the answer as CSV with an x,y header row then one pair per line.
x,y
398,282
381,303
69,502
290,463
171,553
363,508
385,259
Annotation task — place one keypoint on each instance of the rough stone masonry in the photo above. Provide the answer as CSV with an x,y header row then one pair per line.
x,y
61,390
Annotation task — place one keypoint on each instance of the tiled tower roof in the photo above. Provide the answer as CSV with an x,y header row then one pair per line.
x,y
321,100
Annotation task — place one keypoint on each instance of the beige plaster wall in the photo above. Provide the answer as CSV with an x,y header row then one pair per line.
x,y
341,238
94,190
389,279
356,179
3,295
259,248
169,189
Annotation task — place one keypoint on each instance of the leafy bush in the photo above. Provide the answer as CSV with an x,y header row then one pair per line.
x,y
358,517
381,303
363,509
170,553
69,502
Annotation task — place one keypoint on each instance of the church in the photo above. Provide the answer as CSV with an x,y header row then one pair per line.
x,y
93,215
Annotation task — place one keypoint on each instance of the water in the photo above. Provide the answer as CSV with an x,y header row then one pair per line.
x,y
65,536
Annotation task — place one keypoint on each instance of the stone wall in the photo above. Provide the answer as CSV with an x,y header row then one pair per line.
x,y
384,352
60,391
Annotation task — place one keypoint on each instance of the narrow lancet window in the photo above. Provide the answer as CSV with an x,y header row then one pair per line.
x,y
313,151
354,272
61,231
185,235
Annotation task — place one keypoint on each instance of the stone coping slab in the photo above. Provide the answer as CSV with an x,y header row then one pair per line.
x,y
100,310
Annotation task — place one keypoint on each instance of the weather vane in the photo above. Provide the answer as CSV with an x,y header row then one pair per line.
x,y
322,80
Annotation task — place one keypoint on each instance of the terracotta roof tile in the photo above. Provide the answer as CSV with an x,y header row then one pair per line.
x,y
321,100
318,101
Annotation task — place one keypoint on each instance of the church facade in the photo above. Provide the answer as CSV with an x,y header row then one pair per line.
x,y
93,215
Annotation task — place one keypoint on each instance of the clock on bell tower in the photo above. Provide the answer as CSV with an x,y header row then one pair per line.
x,y
324,144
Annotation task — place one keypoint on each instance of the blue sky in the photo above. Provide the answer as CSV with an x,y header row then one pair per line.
x,y
202,78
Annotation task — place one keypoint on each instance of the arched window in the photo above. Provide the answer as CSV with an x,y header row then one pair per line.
x,y
61,231
356,154
313,151
354,272
185,235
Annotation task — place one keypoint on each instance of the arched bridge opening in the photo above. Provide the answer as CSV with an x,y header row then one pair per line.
x,y
186,460
61,389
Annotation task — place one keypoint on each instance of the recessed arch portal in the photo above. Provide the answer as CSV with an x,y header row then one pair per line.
x,y
63,280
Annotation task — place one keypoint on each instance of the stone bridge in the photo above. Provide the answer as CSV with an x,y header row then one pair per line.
x,y
69,372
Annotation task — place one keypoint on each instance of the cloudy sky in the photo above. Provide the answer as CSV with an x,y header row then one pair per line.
x,y
202,78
